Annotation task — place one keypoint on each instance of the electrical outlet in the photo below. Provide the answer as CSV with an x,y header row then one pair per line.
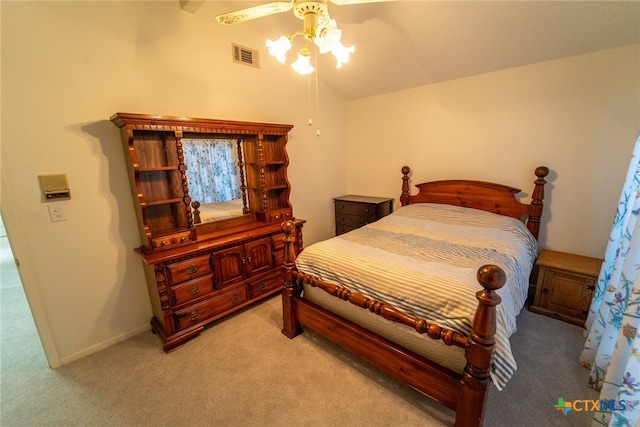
x,y
56,214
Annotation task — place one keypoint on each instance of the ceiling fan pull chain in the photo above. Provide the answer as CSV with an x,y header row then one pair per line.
x,y
309,99
317,91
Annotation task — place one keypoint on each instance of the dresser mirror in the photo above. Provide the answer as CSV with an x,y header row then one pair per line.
x,y
233,175
215,177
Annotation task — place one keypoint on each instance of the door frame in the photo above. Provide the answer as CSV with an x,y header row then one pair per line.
x,y
26,271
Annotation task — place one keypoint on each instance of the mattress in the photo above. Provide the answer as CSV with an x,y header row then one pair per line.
x,y
423,259
220,210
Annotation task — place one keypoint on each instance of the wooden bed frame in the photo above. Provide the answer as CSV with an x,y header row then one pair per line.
x,y
464,393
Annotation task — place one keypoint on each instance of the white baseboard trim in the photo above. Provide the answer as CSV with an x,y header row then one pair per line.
x,y
105,344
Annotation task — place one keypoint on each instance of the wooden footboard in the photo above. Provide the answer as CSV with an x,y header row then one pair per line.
x,y
465,394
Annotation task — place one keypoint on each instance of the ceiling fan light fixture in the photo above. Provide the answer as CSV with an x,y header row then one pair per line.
x,y
303,63
318,27
327,35
279,48
342,53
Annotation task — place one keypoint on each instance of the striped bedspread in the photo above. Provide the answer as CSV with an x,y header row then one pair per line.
x,y
423,259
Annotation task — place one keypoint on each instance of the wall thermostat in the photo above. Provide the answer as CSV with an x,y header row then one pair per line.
x,y
54,186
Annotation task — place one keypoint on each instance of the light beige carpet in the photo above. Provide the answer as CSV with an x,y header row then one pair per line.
x,y
243,372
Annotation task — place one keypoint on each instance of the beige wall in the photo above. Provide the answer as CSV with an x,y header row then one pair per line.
x,y
580,116
66,68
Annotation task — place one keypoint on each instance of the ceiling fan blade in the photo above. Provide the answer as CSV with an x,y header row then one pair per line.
x,y
254,12
343,2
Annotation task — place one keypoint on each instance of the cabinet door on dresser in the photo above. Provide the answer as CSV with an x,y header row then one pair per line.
x,y
238,263
229,265
259,258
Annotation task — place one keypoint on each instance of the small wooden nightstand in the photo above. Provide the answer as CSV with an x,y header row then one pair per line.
x,y
565,285
355,211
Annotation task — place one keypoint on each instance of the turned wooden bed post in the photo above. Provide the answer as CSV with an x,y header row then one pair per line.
x,y
533,223
291,326
475,378
404,197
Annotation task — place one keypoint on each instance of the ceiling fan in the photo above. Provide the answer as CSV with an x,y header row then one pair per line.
x,y
301,8
319,28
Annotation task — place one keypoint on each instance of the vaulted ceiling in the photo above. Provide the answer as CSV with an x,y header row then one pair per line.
x,y
404,44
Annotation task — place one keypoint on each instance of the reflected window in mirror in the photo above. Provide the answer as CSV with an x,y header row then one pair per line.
x,y
215,176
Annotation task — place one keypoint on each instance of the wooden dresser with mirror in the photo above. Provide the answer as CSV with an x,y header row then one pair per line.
x,y
210,197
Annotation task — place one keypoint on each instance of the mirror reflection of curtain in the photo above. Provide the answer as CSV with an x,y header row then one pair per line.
x,y
212,169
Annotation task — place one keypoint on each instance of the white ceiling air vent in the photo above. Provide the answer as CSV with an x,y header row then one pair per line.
x,y
245,55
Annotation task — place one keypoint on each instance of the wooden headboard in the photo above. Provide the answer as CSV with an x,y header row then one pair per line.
x,y
486,196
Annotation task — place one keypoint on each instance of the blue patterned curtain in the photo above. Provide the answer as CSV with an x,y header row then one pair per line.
x,y
212,169
612,349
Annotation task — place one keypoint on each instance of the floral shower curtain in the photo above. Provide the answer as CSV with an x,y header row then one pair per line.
x,y
612,349
212,169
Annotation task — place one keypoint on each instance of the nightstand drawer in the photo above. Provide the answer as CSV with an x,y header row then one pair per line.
x,y
352,212
364,210
341,229
354,220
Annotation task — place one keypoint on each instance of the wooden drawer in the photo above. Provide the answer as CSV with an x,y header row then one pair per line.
x,y
282,215
278,256
278,243
192,290
341,228
172,240
189,269
206,309
266,285
353,211
353,220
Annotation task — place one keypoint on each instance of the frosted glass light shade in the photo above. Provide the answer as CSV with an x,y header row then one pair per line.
x,y
342,53
279,48
303,63
327,36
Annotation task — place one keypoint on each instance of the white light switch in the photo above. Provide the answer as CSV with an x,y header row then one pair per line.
x,y
56,214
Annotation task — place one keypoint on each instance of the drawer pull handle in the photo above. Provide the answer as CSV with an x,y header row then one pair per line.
x,y
235,299
194,290
194,315
191,269
263,286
